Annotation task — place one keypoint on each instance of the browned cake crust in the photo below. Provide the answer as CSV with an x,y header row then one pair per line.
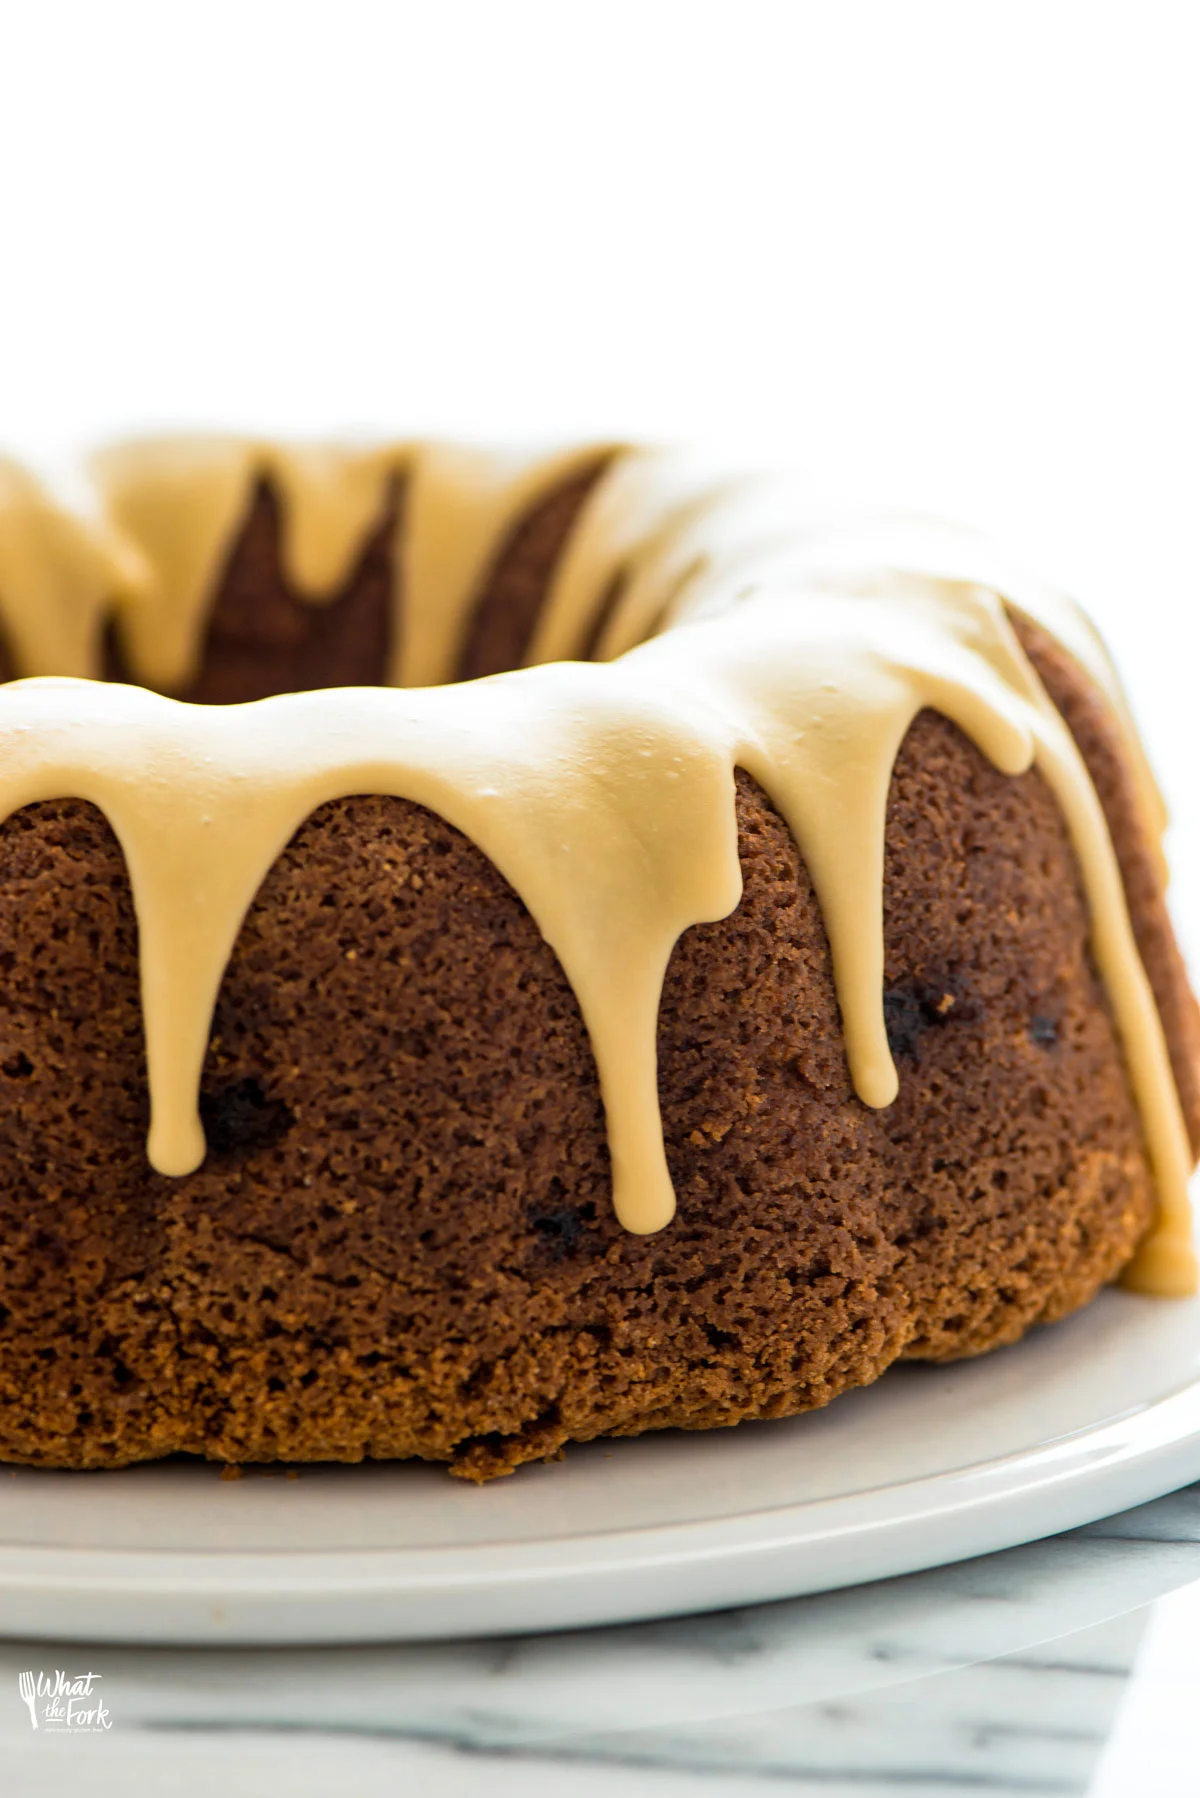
x,y
402,1240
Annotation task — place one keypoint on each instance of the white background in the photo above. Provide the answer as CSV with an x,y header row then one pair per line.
x,y
938,252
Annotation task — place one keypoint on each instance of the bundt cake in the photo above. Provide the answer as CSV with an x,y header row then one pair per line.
x,y
505,949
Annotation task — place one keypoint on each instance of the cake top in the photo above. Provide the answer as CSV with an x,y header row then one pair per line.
x,y
731,629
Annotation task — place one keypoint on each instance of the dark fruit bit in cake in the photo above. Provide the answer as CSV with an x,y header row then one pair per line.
x,y
914,1006
559,1230
240,1117
1043,1031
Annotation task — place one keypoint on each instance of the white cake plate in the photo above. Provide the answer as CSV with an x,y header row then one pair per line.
x,y
930,1465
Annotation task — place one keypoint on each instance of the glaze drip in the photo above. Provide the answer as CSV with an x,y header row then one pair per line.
x,y
799,649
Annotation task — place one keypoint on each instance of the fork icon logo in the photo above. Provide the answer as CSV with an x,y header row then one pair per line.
x,y
28,1693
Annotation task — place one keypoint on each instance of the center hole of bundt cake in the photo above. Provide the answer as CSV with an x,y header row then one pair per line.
x,y
263,637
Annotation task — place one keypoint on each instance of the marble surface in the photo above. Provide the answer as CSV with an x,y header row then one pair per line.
x,y
1070,1666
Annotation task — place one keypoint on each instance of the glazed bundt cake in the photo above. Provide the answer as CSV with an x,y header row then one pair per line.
x,y
501,950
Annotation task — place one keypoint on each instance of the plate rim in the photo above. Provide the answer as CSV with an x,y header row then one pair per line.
x,y
630,1573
